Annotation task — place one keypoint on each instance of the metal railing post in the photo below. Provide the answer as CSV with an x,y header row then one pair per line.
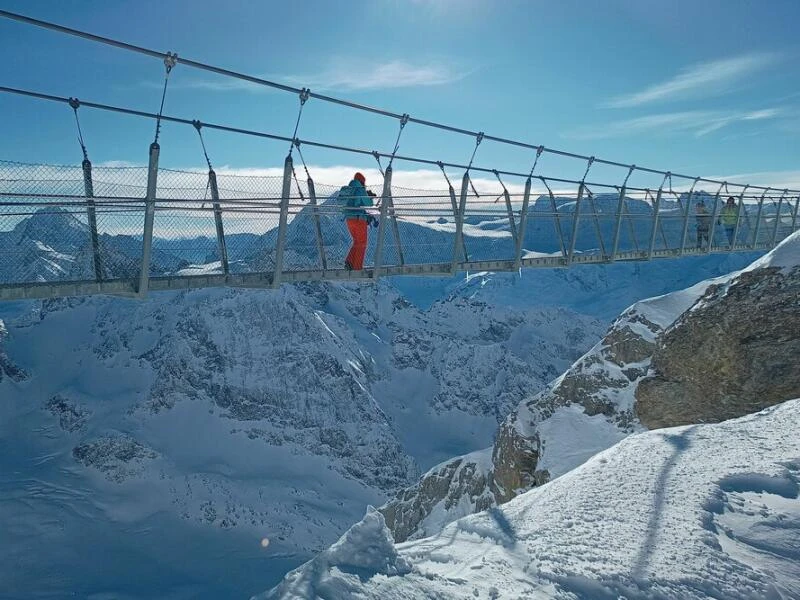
x,y
280,244
149,216
656,209
385,202
758,218
620,212
223,251
714,217
312,195
654,230
738,218
577,216
523,222
685,232
91,215
458,243
778,218
575,220
511,222
556,219
598,230
796,209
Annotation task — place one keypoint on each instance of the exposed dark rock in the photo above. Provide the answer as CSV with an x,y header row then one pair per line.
x,y
118,457
71,416
736,352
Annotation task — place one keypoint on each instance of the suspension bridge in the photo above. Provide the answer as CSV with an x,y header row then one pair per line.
x,y
71,230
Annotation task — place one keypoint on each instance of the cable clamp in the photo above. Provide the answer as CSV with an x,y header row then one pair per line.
x,y
304,94
74,103
404,119
170,60
479,138
197,124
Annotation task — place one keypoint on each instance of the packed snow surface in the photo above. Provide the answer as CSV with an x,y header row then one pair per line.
x,y
703,511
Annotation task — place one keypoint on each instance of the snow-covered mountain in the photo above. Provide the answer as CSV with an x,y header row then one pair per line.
x,y
242,415
694,512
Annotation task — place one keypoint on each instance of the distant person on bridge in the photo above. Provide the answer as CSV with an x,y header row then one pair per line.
x,y
703,218
729,217
355,198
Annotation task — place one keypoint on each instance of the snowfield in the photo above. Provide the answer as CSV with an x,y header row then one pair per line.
x,y
703,511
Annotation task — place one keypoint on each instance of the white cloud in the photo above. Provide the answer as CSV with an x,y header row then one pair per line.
x,y
697,122
703,79
779,180
359,75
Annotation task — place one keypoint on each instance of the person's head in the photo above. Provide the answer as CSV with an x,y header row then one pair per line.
x,y
731,200
360,177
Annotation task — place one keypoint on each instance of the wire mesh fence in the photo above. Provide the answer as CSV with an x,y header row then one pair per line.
x,y
84,223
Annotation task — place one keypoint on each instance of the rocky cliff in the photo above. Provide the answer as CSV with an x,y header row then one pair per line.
x,y
736,352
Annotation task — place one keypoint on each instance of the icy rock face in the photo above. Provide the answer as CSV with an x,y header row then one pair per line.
x,y
364,551
601,383
117,457
272,368
7,367
734,353
462,486
71,416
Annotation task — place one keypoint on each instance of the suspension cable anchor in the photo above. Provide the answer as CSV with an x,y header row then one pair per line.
x,y
404,120
197,124
74,103
304,95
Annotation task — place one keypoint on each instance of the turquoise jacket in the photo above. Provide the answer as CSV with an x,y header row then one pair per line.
x,y
354,200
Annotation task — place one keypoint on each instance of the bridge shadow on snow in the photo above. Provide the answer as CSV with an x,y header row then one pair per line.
x,y
680,443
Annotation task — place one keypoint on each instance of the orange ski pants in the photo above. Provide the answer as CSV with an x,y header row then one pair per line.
x,y
358,231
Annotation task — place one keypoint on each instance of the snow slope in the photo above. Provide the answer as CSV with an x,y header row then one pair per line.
x,y
705,511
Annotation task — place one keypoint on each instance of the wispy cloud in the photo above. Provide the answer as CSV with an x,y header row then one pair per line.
x,y
358,75
703,79
342,75
697,122
779,180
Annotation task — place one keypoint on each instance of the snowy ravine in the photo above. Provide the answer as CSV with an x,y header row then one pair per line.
x,y
701,511
217,418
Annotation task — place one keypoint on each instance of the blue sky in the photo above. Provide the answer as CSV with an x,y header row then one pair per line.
x,y
706,87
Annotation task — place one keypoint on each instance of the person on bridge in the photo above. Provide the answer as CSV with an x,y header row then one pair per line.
x,y
703,218
355,198
729,217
